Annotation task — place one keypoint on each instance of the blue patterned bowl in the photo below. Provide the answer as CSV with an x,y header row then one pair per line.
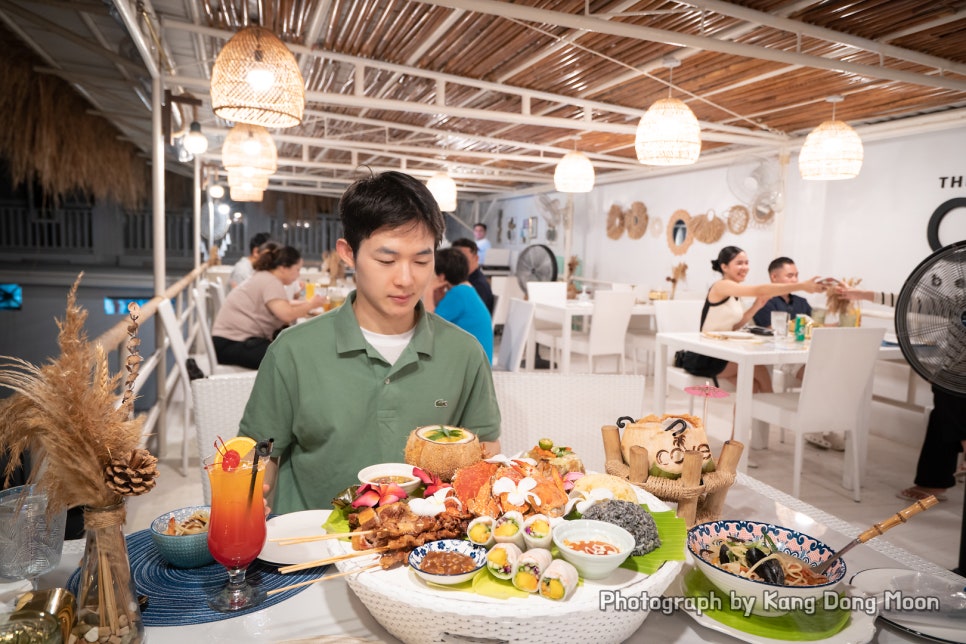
x,y
756,596
477,553
181,551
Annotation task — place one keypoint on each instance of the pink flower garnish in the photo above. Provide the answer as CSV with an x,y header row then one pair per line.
x,y
432,482
570,478
370,495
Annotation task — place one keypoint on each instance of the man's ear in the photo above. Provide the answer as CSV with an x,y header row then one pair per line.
x,y
345,253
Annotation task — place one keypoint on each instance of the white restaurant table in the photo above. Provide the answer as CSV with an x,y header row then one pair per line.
x,y
746,353
331,609
565,315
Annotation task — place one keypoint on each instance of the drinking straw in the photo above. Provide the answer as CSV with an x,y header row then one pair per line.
x,y
263,449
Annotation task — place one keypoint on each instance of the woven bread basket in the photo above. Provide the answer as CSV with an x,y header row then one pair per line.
x,y
418,613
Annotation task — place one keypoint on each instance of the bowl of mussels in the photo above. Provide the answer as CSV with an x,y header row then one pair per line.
x,y
766,567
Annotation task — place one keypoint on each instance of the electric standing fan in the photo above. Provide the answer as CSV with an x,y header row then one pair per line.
x,y
931,319
536,263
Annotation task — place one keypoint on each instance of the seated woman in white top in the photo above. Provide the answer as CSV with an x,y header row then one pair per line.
x,y
723,310
256,310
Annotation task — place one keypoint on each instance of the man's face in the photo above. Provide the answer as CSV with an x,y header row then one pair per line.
x,y
479,232
786,274
471,257
393,267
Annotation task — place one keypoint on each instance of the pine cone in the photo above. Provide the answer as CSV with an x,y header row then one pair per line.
x,y
133,476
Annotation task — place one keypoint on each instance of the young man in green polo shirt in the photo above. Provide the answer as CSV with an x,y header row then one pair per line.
x,y
344,390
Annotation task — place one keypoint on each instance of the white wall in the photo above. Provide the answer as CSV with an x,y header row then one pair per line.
x,y
872,227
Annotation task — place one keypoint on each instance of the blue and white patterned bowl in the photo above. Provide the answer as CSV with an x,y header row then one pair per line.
x,y
181,551
477,553
760,597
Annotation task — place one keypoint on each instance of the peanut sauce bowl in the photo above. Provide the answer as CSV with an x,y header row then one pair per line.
x,y
382,473
612,543
477,555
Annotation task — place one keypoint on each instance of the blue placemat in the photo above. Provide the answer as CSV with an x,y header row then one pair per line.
x,y
178,597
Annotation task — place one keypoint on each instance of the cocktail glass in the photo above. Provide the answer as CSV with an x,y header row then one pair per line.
x,y
236,529
30,540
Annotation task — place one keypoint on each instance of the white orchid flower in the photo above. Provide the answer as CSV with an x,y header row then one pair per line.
x,y
584,500
517,493
433,504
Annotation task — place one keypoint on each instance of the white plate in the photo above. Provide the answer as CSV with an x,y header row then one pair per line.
x,y
734,335
860,629
876,580
295,524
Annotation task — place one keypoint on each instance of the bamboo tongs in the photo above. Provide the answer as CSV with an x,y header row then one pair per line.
x,y
899,517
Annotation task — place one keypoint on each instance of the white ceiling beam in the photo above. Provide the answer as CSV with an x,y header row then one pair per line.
x,y
639,32
589,106
823,33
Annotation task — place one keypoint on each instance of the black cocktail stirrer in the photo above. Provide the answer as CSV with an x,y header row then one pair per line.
x,y
263,449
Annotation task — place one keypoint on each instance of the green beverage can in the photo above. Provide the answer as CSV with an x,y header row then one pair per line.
x,y
799,328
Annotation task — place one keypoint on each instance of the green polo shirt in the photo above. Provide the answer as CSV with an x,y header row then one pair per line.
x,y
334,405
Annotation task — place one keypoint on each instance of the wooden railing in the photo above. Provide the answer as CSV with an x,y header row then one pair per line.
x,y
114,340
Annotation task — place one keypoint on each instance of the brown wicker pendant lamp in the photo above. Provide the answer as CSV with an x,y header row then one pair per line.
x,y
256,80
249,146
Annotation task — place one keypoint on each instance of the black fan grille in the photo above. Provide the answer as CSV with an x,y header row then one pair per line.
x,y
536,263
931,319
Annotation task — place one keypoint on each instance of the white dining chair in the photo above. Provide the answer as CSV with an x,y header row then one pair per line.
x,y
516,329
219,402
504,290
179,350
608,328
680,316
554,294
836,396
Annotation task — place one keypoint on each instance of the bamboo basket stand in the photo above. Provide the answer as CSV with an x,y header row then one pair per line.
x,y
699,498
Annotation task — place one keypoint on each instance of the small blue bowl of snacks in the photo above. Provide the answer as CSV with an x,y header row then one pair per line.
x,y
448,561
182,536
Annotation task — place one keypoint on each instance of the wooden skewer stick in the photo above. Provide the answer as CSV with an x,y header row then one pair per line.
x,y
314,581
288,541
325,562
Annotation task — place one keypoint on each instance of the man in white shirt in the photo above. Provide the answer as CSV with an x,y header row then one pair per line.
x,y
242,269
482,243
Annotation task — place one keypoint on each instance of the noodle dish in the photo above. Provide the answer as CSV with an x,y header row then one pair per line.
x,y
765,567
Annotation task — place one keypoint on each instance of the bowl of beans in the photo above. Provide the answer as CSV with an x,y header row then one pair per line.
x,y
595,548
447,561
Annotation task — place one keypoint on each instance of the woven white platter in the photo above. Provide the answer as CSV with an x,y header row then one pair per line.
x,y
416,612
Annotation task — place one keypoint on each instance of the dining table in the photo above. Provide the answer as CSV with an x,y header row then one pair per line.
x,y
564,315
329,610
747,351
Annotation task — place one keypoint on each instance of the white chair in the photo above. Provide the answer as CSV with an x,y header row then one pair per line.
x,y
680,316
179,350
569,409
204,329
504,289
513,342
219,402
554,294
216,291
608,328
836,396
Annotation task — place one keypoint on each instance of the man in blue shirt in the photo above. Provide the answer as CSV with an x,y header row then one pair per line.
x,y
482,243
783,271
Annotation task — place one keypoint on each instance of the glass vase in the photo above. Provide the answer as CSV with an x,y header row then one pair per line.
x,y
106,598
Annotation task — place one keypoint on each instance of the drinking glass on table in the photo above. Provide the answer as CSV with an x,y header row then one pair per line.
x,y
236,528
336,295
30,541
779,325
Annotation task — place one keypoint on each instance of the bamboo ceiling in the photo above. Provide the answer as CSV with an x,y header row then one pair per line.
x,y
496,91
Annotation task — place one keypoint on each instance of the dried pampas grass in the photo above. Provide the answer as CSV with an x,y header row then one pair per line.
x,y
68,409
